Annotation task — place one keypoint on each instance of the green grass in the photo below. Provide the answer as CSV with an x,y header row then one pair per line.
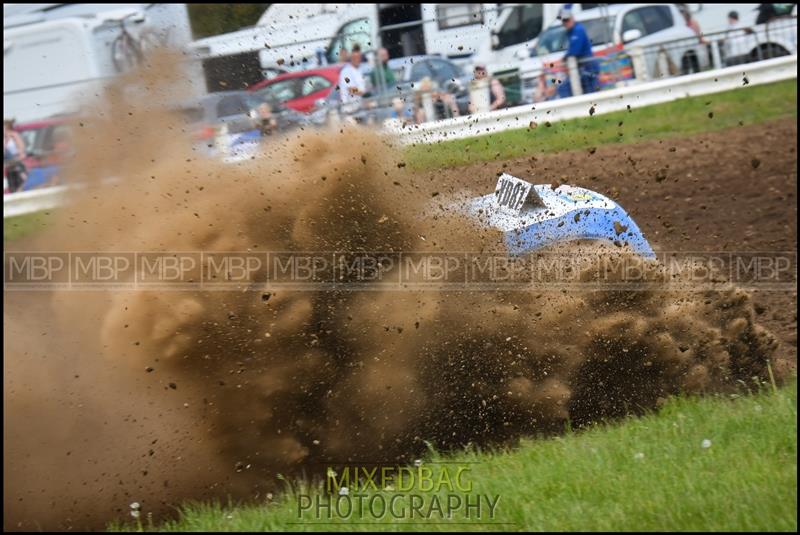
x,y
15,228
648,473
746,105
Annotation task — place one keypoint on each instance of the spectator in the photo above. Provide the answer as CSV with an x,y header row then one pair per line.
x,y
433,104
382,77
266,121
344,57
319,52
766,12
351,81
401,111
543,91
733,20
691,22
732,35
690,63
13,154
497,93
580,48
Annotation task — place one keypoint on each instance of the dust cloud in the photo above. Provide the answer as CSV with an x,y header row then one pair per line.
x,y
161,396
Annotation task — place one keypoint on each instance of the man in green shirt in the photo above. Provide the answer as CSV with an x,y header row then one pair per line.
x,y
382,76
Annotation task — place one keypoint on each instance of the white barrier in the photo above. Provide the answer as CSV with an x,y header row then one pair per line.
x,y
27,202
635,96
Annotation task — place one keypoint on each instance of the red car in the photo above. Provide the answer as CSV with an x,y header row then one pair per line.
x,y
46,141
301,90
47,147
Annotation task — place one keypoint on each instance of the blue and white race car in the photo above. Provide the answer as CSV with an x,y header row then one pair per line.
x,y
536,216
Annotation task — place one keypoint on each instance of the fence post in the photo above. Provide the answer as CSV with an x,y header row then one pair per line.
x,y
222,141
574,76
479,95
334,117
716,59
639,65
663,65
427,106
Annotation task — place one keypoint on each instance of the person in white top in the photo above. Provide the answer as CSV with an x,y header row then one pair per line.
x,y
738,40
351,81
13,154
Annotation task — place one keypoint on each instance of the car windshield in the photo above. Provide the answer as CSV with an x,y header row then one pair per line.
x,y
29,138
268,97
399,73
554,39
231,105
282,91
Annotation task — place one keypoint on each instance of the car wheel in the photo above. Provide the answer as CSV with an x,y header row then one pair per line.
x,y
767,51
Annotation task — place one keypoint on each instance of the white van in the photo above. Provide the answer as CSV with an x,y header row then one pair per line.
x,y
714,17
515,32
658,29
49,66
53,60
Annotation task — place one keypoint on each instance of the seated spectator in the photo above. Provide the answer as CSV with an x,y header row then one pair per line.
x,y
402,111
432,104
544,91
267,123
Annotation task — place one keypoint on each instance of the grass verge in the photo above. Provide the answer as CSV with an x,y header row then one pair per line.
x,y
16,228
743,106
699,464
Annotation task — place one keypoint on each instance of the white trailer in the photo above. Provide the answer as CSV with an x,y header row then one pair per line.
x,y
54,59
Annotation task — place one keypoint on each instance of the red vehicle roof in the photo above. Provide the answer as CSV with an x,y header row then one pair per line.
x,y
331,73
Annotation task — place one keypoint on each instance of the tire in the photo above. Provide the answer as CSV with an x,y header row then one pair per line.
x,y
768,51
124,55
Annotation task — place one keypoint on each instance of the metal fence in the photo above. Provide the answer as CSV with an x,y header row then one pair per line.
x,y
611,67
618,65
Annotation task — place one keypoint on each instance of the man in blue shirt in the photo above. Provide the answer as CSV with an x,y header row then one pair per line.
x,y
580,47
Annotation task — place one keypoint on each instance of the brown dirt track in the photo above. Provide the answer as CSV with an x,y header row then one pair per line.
x,y
706,195
729,191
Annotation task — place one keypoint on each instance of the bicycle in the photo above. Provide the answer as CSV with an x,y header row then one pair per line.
x,y
128,51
